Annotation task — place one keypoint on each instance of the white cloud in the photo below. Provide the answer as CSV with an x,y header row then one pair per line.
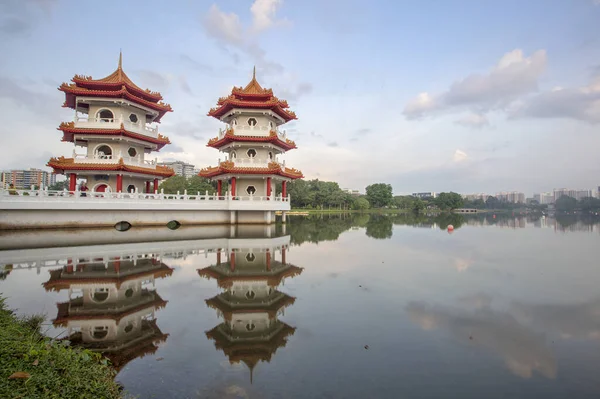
x,y
228,30
263,14
581,103
473,120
513,76
459,156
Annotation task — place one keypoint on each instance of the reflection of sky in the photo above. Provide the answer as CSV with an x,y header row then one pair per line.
x,y
522,292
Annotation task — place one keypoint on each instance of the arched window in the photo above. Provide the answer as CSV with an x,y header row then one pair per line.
x,y
251,153
128,328
251,190
100,332
128,292
100,294
131,188
233,155
252,121
104,152
105,115
234,122
270,156
250,326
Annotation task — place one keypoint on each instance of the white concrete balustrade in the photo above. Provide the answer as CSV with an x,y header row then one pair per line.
x,y
246,130
106,123
110,159
256,162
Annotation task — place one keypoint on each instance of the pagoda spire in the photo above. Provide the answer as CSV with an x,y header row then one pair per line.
x,y
120,67
254,73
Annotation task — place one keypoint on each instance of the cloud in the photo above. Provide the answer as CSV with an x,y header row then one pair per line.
x,y
227,30
263,14
184,85
473,120
293,95
581,104
513,76
173,148
19,17
459,156
522,350
477,301
332,144
195,64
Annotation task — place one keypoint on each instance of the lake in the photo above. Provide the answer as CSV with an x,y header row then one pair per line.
x,y
340,306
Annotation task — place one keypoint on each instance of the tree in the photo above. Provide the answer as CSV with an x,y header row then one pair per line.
x,y
379,195
197,184
174,184
449,201
379,227
418,205
492,203
59,186
361,204
566,204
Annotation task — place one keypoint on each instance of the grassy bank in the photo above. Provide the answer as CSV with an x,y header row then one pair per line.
x,y
374,210
34,366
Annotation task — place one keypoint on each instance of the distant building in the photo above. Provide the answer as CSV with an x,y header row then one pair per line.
x,y
425,195
23,179
577,194
514,197
544,198
473,197
181,168
350,191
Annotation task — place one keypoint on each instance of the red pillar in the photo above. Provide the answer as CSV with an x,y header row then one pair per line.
x,y
284,189
72,181
233,186
232,261
268,186
220,187
155,186
147,186
269,260
69,265
119,183
117,264
219,256
283,255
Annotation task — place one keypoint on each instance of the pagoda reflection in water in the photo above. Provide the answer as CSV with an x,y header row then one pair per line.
x,y
112,304
250,303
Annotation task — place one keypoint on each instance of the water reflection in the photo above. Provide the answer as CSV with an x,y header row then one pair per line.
x,y
251,303
111,303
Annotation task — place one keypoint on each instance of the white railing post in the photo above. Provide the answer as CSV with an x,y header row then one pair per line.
x,y
162,193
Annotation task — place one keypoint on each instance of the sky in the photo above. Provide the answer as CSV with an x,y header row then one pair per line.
x,y
448,95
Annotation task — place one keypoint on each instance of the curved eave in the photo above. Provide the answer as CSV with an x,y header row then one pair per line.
x,y
100,85
227,139
228,105
69,132
60,166
220,170
72,92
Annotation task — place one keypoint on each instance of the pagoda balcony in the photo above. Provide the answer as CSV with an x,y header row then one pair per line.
x,y
112,159
246,130
253,162
105,123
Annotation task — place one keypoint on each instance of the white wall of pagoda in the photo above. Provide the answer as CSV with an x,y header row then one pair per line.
x,y
244,323
99,330
252,124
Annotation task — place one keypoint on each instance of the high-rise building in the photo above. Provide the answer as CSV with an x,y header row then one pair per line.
x,y
544,198
23,179
514,197
473,197
181,168
429,194
577,194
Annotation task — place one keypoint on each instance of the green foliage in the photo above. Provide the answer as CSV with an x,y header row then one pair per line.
x,y
380,227
589,204
318,194
59,186
566,204
193,185
56,370
448,201
361,204
379,195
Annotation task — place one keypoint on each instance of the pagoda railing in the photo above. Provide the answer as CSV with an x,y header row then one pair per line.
x,y
112,158
115,123
49,195
246,130
249,162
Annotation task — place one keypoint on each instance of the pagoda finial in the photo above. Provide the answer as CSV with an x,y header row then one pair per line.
x,y
120,59
254,73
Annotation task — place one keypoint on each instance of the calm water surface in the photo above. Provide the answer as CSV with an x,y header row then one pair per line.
x,y
328,307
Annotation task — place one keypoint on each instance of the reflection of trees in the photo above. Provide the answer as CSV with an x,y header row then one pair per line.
x,y
445,219
523,351
380,227
316,228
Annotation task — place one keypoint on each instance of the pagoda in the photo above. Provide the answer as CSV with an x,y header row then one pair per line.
x,y
111,307
250,304
113,123
252,141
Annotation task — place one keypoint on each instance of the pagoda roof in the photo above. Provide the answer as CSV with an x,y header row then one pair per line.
x,y
59,280
69,130
226,277
61,164
276,301
272,138
250,351
228,167
137,347
117,84
253,96
64,315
